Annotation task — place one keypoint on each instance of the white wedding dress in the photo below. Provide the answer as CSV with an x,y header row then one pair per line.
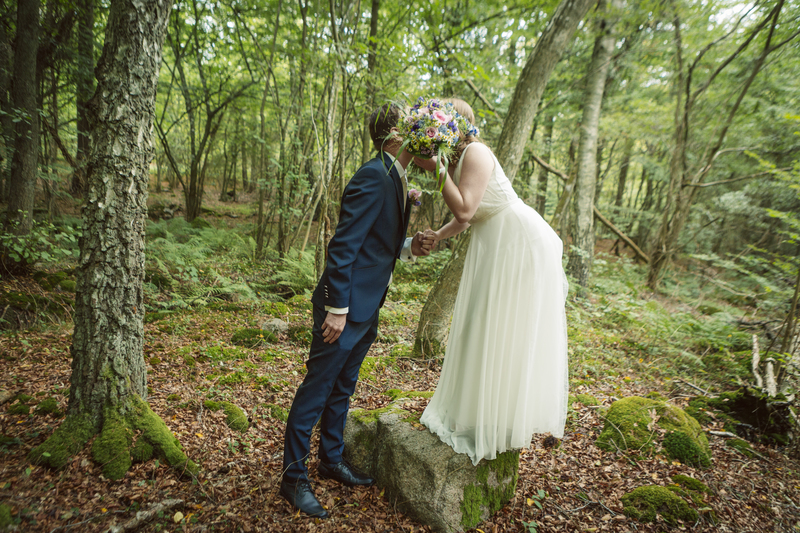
x,y
504,376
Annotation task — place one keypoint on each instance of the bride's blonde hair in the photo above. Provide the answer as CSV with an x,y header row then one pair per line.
x,y
465,110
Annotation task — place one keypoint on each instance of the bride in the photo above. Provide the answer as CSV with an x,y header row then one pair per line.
x,y
504,376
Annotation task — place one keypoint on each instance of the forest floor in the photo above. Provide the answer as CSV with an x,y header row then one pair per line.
x,y
190,358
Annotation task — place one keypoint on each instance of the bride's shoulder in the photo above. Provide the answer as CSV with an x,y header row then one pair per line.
x,y
478,155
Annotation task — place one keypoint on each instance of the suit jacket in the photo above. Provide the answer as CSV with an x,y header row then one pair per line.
x,y
368,240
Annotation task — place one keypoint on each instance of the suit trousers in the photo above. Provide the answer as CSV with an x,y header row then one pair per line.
x,y
325,394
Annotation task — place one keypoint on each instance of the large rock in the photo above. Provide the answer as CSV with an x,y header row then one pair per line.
x,y
647,424
422,475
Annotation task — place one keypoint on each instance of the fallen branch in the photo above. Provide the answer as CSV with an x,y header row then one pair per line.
x,y
695,387
142,517
726,434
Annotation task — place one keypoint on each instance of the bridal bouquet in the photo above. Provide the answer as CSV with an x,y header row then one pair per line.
x,y
431,129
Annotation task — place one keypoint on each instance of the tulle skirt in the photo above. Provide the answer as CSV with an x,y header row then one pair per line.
x,y
504,376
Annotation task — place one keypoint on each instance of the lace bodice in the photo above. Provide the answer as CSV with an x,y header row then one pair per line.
x,y
499,192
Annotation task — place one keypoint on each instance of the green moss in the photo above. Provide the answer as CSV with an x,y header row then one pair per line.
x,y
489,495
644,503
189,361
23,398
200,223
690,483
365,416
48,406
252,337
149,318
5,516
300,301
19,409
699,409
155,361
277,309
68,285
164,443
586,399
174,398
371,365
142,451
225,307
685,449
629,425
277,412
300,334
235,417
212,405
402,350
111,449
67,440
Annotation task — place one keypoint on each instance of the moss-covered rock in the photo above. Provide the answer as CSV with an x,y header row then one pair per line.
x,y
644,503
5,516
487,495
300,301
200,223
631,423
685,449
277,309
252,337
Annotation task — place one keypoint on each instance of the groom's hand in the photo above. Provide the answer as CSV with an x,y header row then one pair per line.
x,y
422,244
333,326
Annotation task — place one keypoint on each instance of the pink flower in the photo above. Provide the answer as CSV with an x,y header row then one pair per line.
x,y
441,116
431,132
414,195
423,111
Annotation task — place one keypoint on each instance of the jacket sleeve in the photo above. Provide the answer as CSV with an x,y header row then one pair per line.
x,y
362,203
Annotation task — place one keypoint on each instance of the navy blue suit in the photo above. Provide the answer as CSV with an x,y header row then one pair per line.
x,y
361,256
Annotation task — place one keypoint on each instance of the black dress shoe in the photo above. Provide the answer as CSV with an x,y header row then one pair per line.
x,y
345,474
300,495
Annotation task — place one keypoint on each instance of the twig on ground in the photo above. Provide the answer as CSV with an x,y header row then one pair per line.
x,y
143,517
692,385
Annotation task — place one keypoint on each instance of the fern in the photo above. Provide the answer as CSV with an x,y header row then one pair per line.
x,y
297,272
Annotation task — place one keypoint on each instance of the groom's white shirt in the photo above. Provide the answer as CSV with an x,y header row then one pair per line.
x,y
405,255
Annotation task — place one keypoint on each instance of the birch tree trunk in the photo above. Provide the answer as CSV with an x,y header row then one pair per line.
x,y
582,251
434,321
108,380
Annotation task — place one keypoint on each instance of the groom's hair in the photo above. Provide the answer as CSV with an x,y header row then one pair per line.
x,y
381,122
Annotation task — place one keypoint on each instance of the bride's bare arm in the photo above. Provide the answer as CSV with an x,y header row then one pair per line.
x,y
476,169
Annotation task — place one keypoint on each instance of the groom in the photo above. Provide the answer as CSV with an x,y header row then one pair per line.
x,y
369,238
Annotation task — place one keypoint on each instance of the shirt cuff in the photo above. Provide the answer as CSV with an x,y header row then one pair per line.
x,y
405,255
337,310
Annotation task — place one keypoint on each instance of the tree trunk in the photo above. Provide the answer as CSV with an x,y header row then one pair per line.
x,y
26,142
683,182
366,140
581,252
541,185
84,87
108,381
434,321
6,118
522,109
623,172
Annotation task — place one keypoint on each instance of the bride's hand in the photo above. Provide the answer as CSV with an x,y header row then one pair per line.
x,y
425,164
432,237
